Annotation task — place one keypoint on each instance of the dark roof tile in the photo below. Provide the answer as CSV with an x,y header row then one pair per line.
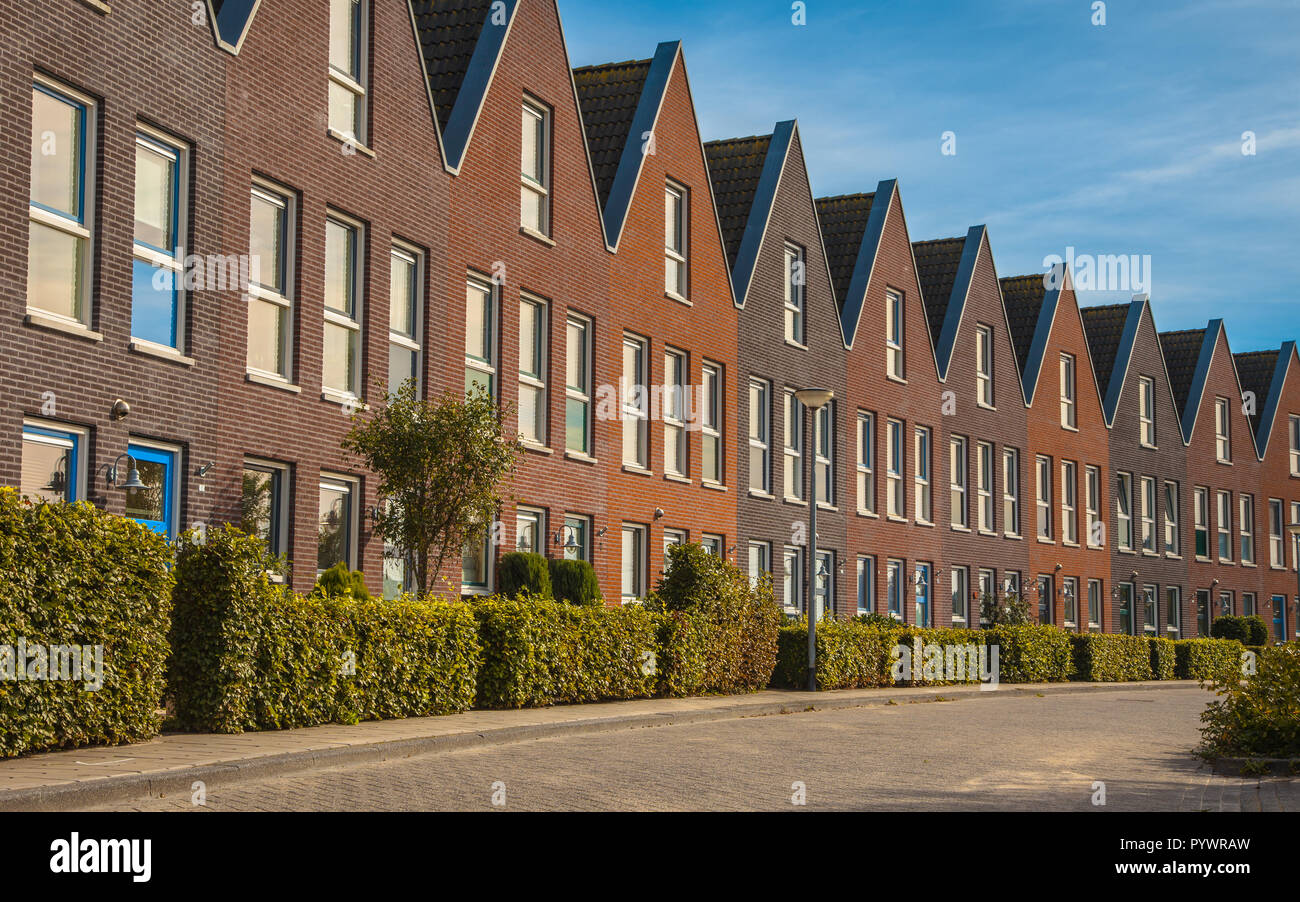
x,y
609,95
1104,328
1255,369
844,224
1023,298
936,268
1182,350
735,168
449,31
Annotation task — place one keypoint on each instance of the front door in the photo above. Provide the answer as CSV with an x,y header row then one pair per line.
x,y
922,594
153,506
1126,608
1279,618
1203,613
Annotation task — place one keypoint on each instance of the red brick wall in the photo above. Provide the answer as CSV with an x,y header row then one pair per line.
x,y
1276,481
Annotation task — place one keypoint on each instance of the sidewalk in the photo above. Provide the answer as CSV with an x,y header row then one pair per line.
x,y
171,763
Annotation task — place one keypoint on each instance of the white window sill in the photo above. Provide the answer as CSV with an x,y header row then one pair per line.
x,y
873,515
674,296
271,380
580,457
928,524
676,477
796,344
97,6
162,352
792,500
824,506
639,471
54,323
892,378
350,141
715,486
537,236
343,399
893,519
958,528
535,447
766,496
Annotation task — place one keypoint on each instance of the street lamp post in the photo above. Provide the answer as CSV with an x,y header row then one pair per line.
x,y
813,400
1294,529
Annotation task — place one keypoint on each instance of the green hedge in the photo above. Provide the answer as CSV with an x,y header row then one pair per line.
x,y
247,655
1260,715
1110,658
72,575
541,652
1163,659
1032,654
850,655
1208,659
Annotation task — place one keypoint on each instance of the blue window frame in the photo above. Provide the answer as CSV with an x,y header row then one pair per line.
x,y
51,467
155,282
154,505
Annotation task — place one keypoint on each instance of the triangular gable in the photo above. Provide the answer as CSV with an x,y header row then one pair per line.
x,y
1112,334
955,305
230,21
1214,331
854,293
1268,415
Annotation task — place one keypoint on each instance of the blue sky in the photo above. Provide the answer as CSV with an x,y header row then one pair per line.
x,y
1124,138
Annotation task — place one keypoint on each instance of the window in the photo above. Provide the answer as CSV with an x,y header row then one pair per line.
x,y
1094,605
960,595
1276,546
923,500
675,275
634,563
156,282
1126,612
1069,503
866,584
396,572
712,544
1201,513
924,613
894,469
347,100
793,578
476,566
894,331
1068,416
480,337
1011,582
636,404
984,487
673,537
984,366
1147,411
794,294
1148,515
824,454
988,596
793,447
1222,444
343,280
1295,540
336,523
674,413
1295,446
1203,613
711,424
264,509
895,582
1173,539
535,165
1173,612
530,530
1092,489
760,436
824,600
534,342
1046,590
1011,491
1224,525
1043,496
576,538
1070,591
760,561
577,385
1248,604
1124,508
1149,604
1247,528
1226,604
405,303
957,482
60,213
54,462
866,463
270,292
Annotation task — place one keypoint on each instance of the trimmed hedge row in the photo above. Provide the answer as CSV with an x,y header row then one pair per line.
x,y
1216,660
72,575
1108,658
247,655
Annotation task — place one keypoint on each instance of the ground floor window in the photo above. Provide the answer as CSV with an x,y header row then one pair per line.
x,y
793,579
1070,590
634,562
265,504
335,523
866,584
960,595
760,561
575,538
1149,609
1173,612
1094,605
54,460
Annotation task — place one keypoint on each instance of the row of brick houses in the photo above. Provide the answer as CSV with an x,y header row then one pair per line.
x,y
235,222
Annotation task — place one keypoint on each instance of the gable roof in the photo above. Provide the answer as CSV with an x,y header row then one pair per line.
x,y
1023,297
844,223
1182,352
1112,331
230,21
1285,355
735,169
937,262
460,45
1032,304
1256,369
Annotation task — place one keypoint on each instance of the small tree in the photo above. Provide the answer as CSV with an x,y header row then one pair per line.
x,y
1012,609
439,466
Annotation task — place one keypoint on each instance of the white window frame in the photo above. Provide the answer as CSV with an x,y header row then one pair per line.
x,y
824,455
792,579
866,466
1222,437
677,379
986,518
161,143
922,468
351,323
1201,520
1070,601
637,591
354,82
579,394
866,583
536,382
959,482
677,256
1069,412
1223,524
1095,597
580,524
1043,498
408,254
257,293
635,402
536,114
1276,532
1246,528
1092,503
760,434
795,295
1069,502
1147,506
895,469
896,583
792,462
984,385
960,592
895,335
1146,412
536,518
1174,612
760,561
476,366
1294,431
1124,511
1173,511
1150,606
712,415
351,485
1011,492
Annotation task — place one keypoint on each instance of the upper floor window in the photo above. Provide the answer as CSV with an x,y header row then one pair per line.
x,y
535,181
1011,491
760,436
676,203
343,281
894,463
957,469
1069,418
984,366
1092,500
866,463
577,385
894,331
59,212
711,414
159,226
1069,503
1276,547
270,291
1224,525
1246,531
1124,508
676,377
1044,496
1222,444
1173,540
924,505
824,453
1201,520
1147,411
1148,499
636,404
533,343
793,466
405,301
1295,446
794,294
347,100
480,337
984,487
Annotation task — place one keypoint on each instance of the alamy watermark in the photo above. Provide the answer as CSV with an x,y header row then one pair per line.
x,y
935,661
43,663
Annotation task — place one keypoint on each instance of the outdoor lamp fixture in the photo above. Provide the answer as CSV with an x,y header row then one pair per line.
x,y
205,469
132,475
813,399
659,513
58,483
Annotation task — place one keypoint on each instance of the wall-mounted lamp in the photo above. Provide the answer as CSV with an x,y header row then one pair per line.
x,y
120,410
659,513
205,469
132,474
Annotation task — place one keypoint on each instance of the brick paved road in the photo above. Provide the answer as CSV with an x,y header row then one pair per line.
x,y
998,752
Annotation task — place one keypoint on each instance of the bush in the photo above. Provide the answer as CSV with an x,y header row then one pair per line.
x,y
524,573
574,582
1163,658
1230,627
338,582
1256,630
1109,658
538,652
850,655
717,635
1258,716
1032,654
247,655
72,575
879,621
1208,659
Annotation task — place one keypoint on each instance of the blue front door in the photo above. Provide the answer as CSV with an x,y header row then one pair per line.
x,y
922,594
152,505
1279,618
